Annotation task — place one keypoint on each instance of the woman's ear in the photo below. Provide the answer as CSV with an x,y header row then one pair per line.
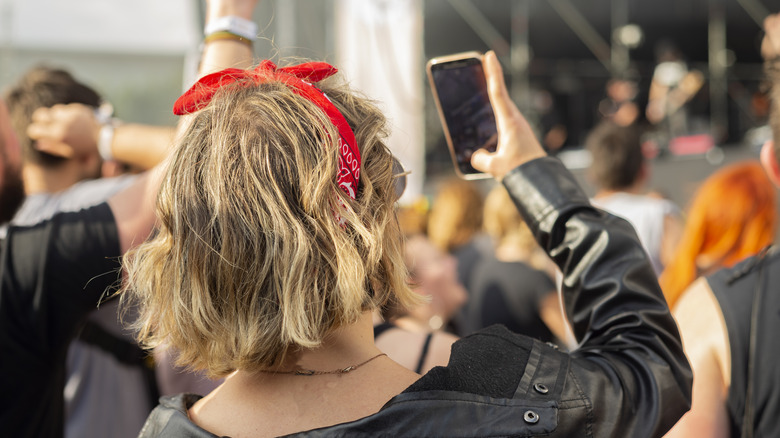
x,y
769,161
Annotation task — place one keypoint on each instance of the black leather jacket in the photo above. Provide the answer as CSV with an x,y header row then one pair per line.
x,y
628,378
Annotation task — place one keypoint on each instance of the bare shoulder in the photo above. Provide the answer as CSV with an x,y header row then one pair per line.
x,y
439,350
703,332
702,326
442,343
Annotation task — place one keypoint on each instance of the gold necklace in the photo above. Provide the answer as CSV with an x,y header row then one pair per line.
x,y
305,372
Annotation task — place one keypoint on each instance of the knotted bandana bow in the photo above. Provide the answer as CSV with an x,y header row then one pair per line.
x,y
299,78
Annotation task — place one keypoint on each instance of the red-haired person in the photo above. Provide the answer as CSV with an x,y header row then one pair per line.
x,y
733,215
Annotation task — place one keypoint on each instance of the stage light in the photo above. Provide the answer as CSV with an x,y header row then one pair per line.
x,y
630,35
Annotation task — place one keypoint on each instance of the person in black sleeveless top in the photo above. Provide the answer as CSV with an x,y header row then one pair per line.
x,y
729,320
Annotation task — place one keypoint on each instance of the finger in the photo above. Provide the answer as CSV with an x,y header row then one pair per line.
x,y
499,96
54,148
481,160
49,131
38,129
41,115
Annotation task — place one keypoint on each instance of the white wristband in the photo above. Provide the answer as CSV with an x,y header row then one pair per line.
x,y
233,24
103,115
105,139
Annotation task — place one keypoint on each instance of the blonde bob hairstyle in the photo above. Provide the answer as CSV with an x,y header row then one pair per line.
x,y
249,262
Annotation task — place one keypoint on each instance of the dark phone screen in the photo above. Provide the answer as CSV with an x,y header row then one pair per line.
x,y
464,100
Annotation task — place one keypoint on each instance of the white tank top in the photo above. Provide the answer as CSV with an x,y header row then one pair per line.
x,y
646,214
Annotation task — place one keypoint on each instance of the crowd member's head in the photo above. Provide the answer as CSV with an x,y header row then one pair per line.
x,y
45,87
732,215
11,186
505,225
260,251
456,214
618,163
414,218
433,275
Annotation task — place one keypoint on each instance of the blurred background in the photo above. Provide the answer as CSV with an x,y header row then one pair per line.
x,y
559,57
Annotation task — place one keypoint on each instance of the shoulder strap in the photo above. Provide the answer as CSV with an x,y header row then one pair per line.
x,y
424,353
748,415
127,353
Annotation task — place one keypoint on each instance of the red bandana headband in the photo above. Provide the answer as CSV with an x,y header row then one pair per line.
x,y
299,78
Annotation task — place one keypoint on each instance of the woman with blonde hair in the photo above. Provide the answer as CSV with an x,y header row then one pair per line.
x,y
278,239
733,215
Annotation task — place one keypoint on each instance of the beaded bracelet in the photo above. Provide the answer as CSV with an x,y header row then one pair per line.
x,y
223,35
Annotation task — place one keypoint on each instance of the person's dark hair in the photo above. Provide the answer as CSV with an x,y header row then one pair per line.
x,y
42,87
617,155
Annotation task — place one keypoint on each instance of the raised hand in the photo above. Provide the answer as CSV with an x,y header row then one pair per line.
x,y
65,130
517,143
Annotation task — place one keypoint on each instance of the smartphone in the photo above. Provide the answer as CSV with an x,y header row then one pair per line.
x,y
460,92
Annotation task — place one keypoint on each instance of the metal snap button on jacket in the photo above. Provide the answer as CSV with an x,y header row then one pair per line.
x,y
541,388
531,417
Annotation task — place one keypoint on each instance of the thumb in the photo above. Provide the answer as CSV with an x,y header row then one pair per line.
x,y
482,160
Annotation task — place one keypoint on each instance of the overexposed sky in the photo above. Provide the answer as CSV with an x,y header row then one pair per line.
x,y
148,26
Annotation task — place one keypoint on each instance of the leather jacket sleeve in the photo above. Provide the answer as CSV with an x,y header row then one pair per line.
x,y
629,364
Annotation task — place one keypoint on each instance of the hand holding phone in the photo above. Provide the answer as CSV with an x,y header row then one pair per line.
x,y
461,96
517,143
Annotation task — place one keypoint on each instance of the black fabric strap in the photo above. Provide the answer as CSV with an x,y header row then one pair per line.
x,y
424,353
125,352
748,416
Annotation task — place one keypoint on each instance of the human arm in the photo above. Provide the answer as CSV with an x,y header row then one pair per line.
x,y
705,339
551,315
629,364
672,86
134,207
656,102
72,130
